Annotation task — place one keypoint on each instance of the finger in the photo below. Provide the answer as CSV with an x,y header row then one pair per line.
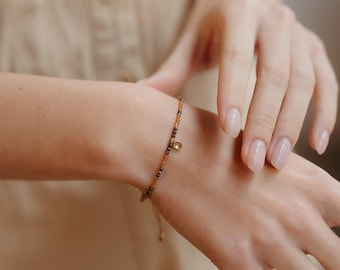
x,y
290,258
295,104
315,261
323,244
239,255
329,193
276,245
325,100
272,81
242,261
237,52
282,254
322,189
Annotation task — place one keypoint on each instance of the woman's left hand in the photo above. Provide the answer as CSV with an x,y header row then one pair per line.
x,y
292,68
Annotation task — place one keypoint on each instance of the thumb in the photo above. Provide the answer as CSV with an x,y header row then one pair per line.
x,y
173,74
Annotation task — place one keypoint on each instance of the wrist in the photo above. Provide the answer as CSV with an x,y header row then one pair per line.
x,y
135,146
207,155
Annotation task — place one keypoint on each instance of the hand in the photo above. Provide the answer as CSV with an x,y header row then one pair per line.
x,y
292,67
242,220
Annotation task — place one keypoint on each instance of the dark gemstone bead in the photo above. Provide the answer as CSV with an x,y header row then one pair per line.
x,y
148,193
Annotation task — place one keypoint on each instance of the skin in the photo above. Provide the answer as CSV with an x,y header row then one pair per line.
x,y
239,219
292,69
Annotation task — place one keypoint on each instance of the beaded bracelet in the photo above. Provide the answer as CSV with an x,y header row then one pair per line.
x,y
172,144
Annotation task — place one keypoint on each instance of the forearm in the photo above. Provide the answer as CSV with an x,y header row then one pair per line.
x,y
67,129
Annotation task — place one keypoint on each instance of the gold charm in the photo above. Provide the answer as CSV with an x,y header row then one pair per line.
x,y
177,145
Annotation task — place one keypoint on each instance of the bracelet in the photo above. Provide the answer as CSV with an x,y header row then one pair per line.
x,y
172,144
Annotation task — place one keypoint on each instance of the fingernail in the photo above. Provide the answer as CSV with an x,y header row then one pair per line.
x,y
256,155
322,142
232,123
281,153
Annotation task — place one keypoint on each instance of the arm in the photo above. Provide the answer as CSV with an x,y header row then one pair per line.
x,y
71,129
56,128
67,129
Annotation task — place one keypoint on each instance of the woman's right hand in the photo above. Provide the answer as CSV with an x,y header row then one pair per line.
x,y
292,69
242,220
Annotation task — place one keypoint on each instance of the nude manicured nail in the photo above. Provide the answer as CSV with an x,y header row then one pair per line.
x,y
256,155
232,123
281,153
323,141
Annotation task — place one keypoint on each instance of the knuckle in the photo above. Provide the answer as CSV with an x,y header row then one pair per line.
x,y
318,45
316,174
277,74
333,86
245,263
320,186
293,124
265,122
328,115
236,95
318,50
315,182
239,54
296,216
242,4
238,250
327,112
285,13
305,79
264,238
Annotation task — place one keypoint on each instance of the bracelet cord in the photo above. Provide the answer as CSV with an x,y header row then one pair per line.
x,y
171,144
